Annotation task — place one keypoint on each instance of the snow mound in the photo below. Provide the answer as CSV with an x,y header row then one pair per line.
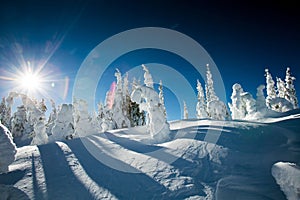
x,y
123,164
7,148
287,175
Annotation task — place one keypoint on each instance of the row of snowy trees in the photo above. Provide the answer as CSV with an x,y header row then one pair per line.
x,y
280,98
28,123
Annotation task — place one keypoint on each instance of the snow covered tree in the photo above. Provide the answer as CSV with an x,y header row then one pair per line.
x,y
209,86
185,111
9,103
290,93
280,88
18,121
162,98
8,149
64,124
119,112
3,111
271,92
148,100
37,118
148,81
52,118
237,108
261,101
201,106
249,104
216,109
82,120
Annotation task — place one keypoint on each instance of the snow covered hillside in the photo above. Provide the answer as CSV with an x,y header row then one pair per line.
x,y
121,164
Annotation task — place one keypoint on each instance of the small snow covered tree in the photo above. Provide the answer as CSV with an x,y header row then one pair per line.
x,y
261,101
8,149
290,93
82,120
249,103
148,81
18,122
185,111
201,106
9,104
237,108
64,124
162,98
3,111
271,92
37,118
148,100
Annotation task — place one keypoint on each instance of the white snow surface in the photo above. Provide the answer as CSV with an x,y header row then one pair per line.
x,y
287,175
204,159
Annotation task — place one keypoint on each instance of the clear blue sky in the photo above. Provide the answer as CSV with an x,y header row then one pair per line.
x,y
243,38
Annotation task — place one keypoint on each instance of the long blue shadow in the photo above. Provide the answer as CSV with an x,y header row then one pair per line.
x,y
121,184
60,179
11,178
36,190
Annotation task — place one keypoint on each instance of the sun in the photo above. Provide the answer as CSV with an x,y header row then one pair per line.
x,y
30,81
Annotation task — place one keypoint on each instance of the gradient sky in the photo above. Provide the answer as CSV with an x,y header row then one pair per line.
x,y
242,37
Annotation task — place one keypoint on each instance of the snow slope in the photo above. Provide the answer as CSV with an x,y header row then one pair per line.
x,y
122,164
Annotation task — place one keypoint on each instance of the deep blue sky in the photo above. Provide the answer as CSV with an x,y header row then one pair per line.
x,y
242,37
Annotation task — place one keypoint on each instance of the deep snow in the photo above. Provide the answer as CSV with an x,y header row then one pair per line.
x,y
123,164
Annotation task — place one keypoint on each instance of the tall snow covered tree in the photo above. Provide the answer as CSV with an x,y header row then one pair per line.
x,y
237,108
185,111
52,117
290,94
148,81
280,87
201,106
119,115
216,109
8,149
162,98
209,86
271,92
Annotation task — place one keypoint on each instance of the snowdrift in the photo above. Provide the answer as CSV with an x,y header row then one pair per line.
x,y
205,159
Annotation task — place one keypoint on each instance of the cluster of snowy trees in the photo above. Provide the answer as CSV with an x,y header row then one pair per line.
x,y
122,109
280,98
208,104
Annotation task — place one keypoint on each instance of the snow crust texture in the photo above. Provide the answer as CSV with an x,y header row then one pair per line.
x,y
7,148
287,175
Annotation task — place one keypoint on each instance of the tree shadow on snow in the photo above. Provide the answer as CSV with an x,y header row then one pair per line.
x,y
60,179
12,177
121,184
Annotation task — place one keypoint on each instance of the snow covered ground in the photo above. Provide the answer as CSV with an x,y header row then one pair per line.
x,y
205,159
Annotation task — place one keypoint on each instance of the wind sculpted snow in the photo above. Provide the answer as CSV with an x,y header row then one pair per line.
x,y
123,164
